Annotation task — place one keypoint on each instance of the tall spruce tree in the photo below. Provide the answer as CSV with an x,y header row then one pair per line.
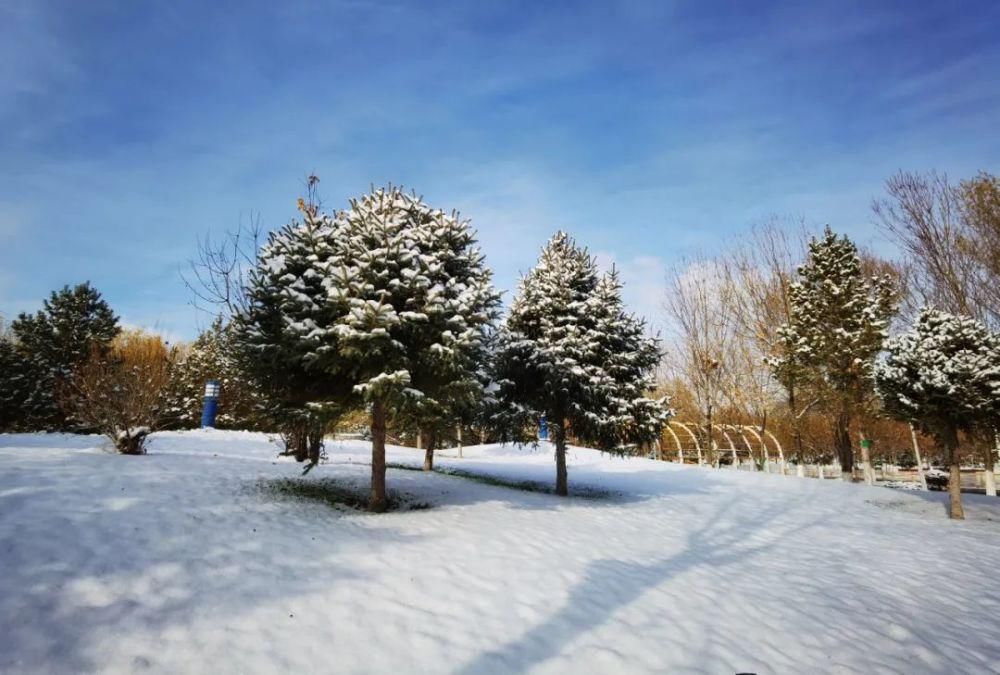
x,y
282,288
569,352
839,322
377,305
943,376
54,342
627,358
15,383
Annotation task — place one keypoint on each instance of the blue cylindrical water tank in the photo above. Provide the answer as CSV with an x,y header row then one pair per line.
x,y
211,404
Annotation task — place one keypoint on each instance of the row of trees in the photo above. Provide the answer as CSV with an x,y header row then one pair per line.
x,y
71,367
388,306
40,352
386,310
788,334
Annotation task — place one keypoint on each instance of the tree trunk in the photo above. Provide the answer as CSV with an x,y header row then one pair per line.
x,y
799,445
559,435
842,444
796,431
378,502
988,465
429,452
866,459
299,443
711,442
866,466
459,441
315,441
955,474
920,460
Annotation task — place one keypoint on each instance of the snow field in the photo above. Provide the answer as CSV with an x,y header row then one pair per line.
x,y
180,562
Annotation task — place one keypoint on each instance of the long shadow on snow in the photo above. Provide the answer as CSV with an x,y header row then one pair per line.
x,y
587,485
610,584
447,486
979,506
494,477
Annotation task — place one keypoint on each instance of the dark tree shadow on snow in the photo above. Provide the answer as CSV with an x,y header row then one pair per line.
x,y
609,585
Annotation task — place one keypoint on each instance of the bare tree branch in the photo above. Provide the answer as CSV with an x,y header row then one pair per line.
x,y
217,276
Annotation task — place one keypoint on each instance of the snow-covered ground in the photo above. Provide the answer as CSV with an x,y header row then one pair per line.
x,y
184,561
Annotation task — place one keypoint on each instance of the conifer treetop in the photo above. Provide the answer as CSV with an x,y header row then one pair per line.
x,y
840,318
387,296
945,371
569,351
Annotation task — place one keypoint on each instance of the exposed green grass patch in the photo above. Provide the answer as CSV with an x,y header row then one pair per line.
x,y
333,493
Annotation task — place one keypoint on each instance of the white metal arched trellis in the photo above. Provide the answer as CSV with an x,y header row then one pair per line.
x,y
677,442
694,438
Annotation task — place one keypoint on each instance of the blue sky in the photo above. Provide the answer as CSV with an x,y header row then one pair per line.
x,y
650,130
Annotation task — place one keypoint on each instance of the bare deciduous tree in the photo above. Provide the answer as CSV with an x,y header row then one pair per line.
x,y
926,215
951,234
700,303
218,275
760,270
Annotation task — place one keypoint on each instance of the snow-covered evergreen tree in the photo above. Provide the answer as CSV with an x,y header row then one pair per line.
x,y
54,342
789,370
15,384
378,305
214,356
568,351
627,359
943,376
839,322
272,355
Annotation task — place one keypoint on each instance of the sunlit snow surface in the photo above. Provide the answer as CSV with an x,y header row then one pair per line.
x,y
179,562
